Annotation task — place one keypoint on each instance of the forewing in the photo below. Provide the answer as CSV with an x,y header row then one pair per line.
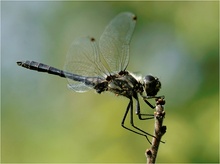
x,y
82,60
115,40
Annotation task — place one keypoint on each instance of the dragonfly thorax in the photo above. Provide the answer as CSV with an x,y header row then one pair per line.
x,y
123,84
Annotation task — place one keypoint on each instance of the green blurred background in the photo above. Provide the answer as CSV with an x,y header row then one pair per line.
x,y
43,121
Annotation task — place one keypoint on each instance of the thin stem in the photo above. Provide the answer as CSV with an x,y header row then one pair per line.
x,y
159,131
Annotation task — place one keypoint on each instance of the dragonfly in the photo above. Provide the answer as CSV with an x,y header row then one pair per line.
x,y
102,66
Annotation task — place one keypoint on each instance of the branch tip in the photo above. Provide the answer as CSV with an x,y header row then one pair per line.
x,y
159,131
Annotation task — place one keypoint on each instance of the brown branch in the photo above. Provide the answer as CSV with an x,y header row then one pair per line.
x,y
159,131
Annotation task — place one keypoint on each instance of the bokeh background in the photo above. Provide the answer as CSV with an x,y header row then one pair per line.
x,y
43,121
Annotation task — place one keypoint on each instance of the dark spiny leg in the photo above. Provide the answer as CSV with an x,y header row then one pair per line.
x,y
132,122
149,104
125,115
138,111
150,97
139,116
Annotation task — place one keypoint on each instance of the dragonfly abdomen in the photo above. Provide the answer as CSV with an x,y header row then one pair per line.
x,y
40,67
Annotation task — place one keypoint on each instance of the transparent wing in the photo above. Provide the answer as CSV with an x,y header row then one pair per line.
x,y
82,59
87,59
115,40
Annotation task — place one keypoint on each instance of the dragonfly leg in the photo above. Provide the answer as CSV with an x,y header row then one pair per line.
x,y
138,111
124,118
149,104
150,97
138,130
132,121
150,116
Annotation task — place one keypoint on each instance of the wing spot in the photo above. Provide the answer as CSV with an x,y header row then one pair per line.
x,y
135,17
92,39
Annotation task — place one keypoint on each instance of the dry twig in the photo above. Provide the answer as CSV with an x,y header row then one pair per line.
x,y
159,131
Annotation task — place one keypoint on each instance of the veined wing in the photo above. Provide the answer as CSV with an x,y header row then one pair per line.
x,y
87,59
83,59
115,40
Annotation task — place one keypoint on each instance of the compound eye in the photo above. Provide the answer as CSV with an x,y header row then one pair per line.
x,y
148,79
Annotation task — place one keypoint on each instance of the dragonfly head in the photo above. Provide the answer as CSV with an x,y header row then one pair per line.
x,y
151,85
